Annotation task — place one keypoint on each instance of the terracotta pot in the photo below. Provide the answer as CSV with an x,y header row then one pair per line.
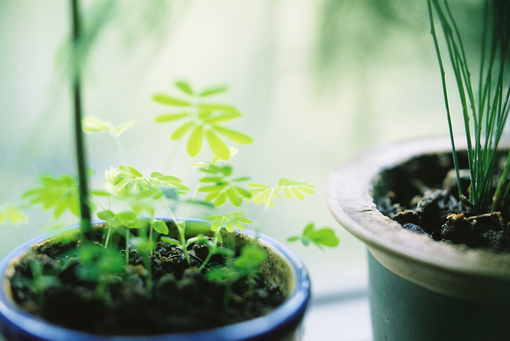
x,y
420,289
283,323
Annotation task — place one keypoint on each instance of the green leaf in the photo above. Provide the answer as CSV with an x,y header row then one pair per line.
x,y
234,135
59,193
184,86
127,217
169,117
160,226
228,221
324,236
195,141
91,124
106,215
219,148
233,197
168,100
241,178
131,171
220,199
219,116
213,91
181,131
251,257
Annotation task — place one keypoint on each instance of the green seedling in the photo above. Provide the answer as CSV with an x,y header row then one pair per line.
x,y
324,236
228,221
246,265
91,124
138,199
202,120
261,193
221,188
40,280
485,101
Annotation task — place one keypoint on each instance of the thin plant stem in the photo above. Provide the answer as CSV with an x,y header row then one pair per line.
x,y
80,146
120,149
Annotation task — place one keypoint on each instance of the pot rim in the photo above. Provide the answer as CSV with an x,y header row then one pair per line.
x,y
281,319
349,199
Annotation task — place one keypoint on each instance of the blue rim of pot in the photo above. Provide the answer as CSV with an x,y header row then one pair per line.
x,y
279,322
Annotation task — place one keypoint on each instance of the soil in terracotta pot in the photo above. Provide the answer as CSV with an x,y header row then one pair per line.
x,y
422,195
173,297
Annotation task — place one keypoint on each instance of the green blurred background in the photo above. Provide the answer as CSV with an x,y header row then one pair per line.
x,y
318,81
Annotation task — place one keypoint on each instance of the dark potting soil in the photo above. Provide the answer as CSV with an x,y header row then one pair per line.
x,y
173,297
422,195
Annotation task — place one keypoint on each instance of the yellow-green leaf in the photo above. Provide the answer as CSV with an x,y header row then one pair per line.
x,y
160,226
91,124
169,100
195,141
219,148
15,215
213,90
184,86
234,135
297,193
131,171
180,132
170,117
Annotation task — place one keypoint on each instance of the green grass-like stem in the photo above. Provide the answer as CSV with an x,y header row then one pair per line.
x,y
485,114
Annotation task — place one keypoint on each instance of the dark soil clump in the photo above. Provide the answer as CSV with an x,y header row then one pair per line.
x,y
56,283
422,195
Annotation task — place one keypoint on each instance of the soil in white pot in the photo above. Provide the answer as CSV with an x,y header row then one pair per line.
x,y
422,195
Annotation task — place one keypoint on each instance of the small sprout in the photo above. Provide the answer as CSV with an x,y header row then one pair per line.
x,y
107,216
93,124
261,193
129,180
229,221
324,236
247,264
222,188
60,193
12,214
98,262
250,259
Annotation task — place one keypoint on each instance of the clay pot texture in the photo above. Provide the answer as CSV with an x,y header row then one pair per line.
x,y
420,289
